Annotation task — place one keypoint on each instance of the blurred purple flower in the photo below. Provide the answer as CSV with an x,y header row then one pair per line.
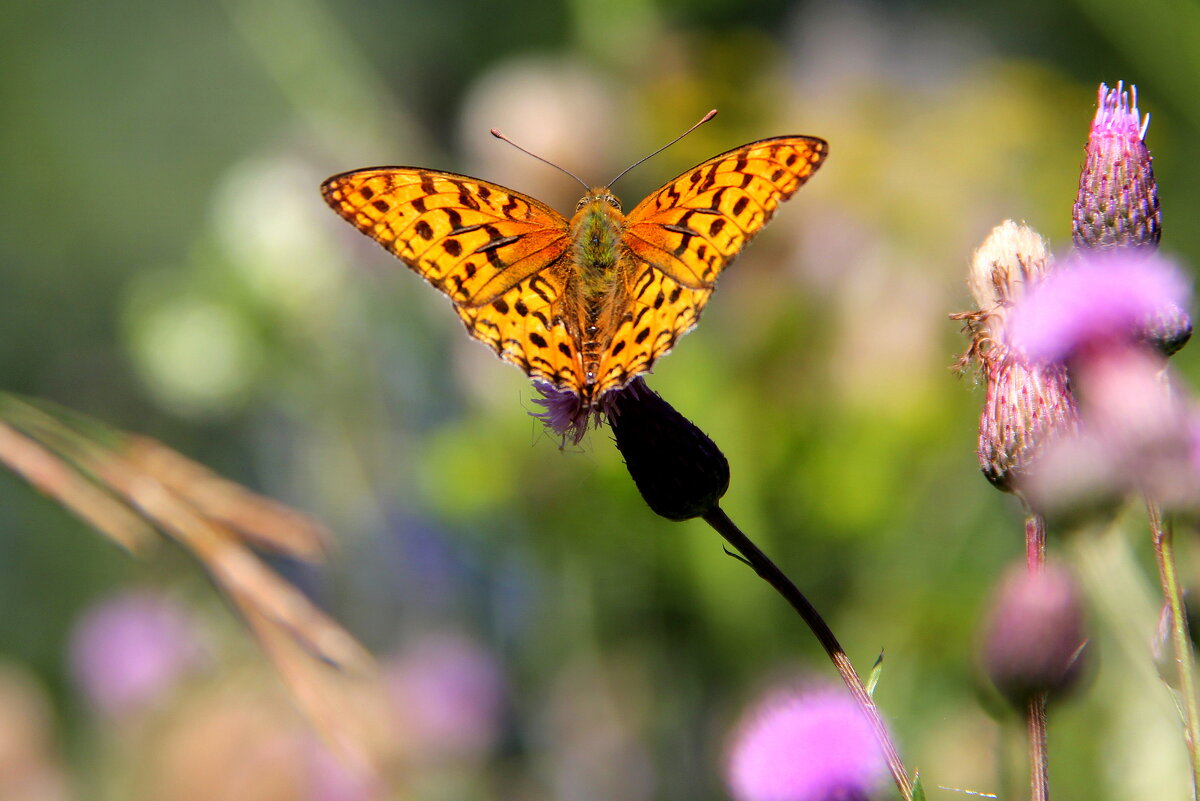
x,y
330,779
1034,634
448,693
1138,433
130,649
1099,300
812,745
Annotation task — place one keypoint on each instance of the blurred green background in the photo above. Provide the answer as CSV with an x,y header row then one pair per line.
x,y
169,267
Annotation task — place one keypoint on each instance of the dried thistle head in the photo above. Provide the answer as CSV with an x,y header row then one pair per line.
x,y
1025,403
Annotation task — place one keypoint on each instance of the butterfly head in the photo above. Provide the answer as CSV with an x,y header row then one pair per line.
x,y
601,194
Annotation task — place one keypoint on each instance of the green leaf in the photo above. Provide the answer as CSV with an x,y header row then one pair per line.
x,y
918,788
873,676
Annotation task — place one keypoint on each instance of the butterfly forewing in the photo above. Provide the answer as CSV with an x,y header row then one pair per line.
x,y
471,239
496,253
682,236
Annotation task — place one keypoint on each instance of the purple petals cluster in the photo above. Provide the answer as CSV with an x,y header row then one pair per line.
x,y
564,412
1098,316
131,649
810,745
1098,301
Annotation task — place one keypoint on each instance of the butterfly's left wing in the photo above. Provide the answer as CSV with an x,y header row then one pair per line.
x,y
499,255
682,236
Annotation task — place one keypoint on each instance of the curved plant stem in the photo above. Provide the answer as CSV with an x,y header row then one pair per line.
x,y
1181,649
770,573
1035,714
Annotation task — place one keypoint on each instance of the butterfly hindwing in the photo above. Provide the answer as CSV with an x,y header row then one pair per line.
x,y
660,310
524,327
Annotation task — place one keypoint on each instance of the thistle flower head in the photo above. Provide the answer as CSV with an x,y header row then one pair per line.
x,y
564,412
131,649
680,472
811,745
1026,403
1117,204
1034,634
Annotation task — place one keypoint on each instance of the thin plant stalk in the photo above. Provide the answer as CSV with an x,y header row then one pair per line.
x,y
1164,552
1035,714
1039,776
770,573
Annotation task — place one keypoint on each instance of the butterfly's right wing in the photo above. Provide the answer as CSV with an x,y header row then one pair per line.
x,y
684,234
497,254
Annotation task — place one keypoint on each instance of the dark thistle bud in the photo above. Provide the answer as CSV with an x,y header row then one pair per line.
x,y
1169,330
680,472
1026,403
1117,205
1034,636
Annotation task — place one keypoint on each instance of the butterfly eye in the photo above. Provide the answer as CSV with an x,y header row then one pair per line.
x,y
613,201
583,201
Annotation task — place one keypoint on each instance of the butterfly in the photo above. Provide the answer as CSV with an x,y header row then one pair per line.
x,y
585,304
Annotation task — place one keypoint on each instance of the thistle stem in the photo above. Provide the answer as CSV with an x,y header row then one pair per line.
x,y
769,572
1039,775
1164,552
1035,719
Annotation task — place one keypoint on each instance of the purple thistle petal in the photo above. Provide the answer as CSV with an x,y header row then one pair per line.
x,y
565,413
813,745
1117,113
1100,299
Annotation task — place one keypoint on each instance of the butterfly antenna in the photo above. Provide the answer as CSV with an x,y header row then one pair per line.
x,y
504,138
703,120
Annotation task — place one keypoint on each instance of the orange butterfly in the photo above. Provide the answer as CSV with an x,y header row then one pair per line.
x,y
584,305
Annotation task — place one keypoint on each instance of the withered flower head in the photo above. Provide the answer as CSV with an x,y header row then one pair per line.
x,y
1026,403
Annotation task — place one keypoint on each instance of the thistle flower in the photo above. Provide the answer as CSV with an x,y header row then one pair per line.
x,y
1105,299
1034,634
814,745
564,412
680,472
1025,403
1117,204
131,649
447,691
1136,428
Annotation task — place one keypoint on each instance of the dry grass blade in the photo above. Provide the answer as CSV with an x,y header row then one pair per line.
x,y
268,523
48,472
129,486
350,711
